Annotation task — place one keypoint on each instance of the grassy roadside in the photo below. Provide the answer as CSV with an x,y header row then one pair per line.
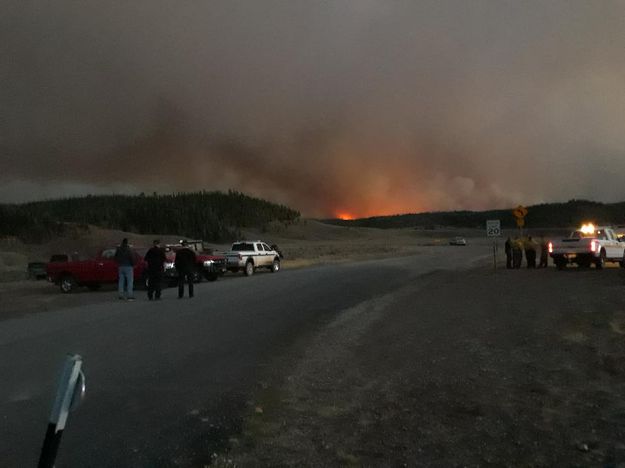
x,y
466,368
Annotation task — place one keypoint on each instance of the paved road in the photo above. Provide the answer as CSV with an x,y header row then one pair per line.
x,y
168,381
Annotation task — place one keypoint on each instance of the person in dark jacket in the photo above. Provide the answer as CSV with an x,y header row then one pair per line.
x,y
517,253
508,253
155,258
530,252
185,266
544,253
124,257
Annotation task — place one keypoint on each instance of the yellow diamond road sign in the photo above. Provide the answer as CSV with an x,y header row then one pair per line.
x,y
519,212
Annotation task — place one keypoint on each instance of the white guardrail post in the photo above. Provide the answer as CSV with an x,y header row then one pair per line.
x,y
69,394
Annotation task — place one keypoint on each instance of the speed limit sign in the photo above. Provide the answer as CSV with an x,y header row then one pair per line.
x,y
493,228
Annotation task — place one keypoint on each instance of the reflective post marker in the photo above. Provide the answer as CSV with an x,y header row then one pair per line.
x,y
69,394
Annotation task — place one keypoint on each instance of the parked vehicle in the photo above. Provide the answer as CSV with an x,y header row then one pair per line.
x,y
209,265
458,241
586,246
92,273
36,270
247,256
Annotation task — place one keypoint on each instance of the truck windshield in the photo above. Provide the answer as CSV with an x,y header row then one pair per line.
x,y
242,246
599,234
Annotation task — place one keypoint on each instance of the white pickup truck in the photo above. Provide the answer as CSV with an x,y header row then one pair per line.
x,y
586,246
247,256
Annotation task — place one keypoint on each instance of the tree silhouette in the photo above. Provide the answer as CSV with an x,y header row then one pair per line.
x,y
213,216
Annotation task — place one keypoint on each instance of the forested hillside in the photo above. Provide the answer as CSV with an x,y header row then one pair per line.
x,y
205,215
550,215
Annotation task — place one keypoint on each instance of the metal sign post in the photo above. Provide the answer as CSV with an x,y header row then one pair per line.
x,y
69,394
493,229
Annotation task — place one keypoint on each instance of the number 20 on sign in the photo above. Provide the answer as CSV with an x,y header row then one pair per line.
x,y
493,228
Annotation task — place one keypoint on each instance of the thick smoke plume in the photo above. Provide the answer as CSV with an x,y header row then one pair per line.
x,y
353,108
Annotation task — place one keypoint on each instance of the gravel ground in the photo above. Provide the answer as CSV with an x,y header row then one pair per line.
x,y
474,368
26,297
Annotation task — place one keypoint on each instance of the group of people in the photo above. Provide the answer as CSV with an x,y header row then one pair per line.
x,y
185,264
515,248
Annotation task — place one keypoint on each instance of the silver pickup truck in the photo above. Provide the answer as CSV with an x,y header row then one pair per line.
x,y
247,256
587,246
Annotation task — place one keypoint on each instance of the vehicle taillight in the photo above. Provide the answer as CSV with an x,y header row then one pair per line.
x,y
550,247
593,246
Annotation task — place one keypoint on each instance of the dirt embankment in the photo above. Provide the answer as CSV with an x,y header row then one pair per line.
x,y
306,243
514,368
82,241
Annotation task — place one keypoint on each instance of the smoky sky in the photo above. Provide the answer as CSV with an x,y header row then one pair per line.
x,y
355,107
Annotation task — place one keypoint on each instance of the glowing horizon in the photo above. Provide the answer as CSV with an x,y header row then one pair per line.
x,y
395,107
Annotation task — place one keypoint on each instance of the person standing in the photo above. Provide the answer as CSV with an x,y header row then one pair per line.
x,y
185,266
155,258
508,247
517,253
125,260
544,253
530,252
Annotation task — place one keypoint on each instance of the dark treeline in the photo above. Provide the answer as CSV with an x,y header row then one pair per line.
x,y
213,216
548,215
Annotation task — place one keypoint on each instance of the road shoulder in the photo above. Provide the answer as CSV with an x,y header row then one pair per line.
x,y
463,368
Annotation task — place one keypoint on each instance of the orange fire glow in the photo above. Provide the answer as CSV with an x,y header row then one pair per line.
x,y
378,208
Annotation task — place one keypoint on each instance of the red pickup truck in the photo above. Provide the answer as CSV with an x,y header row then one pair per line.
x,y
208,265
92,273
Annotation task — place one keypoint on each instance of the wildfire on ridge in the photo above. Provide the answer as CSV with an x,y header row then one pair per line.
x,y
345,216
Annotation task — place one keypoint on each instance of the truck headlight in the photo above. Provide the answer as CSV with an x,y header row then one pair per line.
x,y
168,265
208,263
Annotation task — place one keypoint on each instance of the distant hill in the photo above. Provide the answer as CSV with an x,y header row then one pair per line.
x,y
212,216
548,215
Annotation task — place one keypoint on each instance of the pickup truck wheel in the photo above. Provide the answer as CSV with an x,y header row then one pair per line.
x,y
560,263
275,266
198,275
67,284
249,269
600,262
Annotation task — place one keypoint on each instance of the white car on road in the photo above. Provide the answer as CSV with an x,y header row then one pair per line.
x,y
458,241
